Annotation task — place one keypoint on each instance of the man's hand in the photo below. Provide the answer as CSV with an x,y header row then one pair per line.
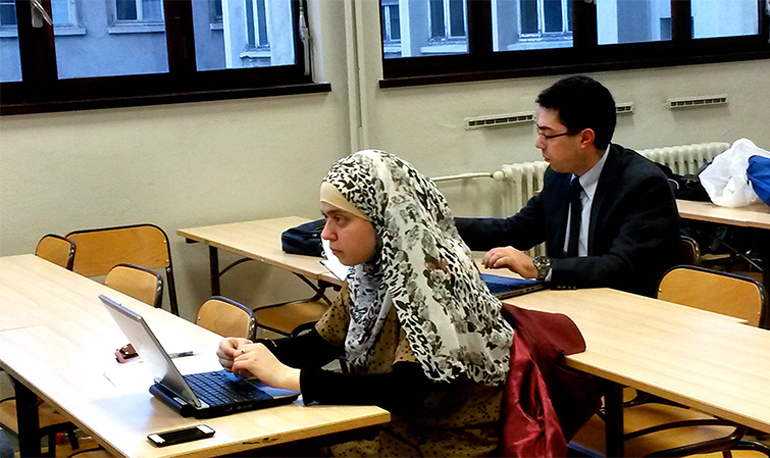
x,y
510,258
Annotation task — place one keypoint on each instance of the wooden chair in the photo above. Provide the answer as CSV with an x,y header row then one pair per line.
x,y
227,318
146,245
56,249
653,426
688,251
291,318
138,282
716,291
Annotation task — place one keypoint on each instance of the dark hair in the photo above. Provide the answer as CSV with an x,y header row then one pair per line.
x,y
582,103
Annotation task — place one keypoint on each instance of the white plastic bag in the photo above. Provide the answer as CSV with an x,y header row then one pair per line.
x,y
725,179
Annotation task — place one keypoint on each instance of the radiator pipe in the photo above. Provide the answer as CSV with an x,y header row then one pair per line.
x,y
497,175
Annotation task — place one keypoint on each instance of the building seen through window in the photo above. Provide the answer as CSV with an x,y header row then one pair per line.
x,y
418,28
127,38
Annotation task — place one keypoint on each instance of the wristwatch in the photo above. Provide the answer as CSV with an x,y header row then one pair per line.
x,y
542,264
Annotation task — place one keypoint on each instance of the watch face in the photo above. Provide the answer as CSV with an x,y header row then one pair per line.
x,y
542,264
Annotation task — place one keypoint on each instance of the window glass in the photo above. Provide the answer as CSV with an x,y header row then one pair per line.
x,y
531,24
724,18
633,21
115,53
514,38
131,41
10,70
244,38
413,28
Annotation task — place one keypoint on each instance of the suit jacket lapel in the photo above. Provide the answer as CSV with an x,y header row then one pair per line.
x,y
607,179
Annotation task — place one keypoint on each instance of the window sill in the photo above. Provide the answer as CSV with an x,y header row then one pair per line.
x,y
138,27
58,31
405,80
11,108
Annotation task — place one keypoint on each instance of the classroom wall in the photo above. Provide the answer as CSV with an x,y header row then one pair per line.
x,y
194,164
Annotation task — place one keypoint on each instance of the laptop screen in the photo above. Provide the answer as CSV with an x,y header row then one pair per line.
x,y
149,348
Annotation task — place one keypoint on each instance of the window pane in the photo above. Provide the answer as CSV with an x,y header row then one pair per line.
x,y
60,11
252,33
126,10
724,18
151,10
528,11
113,46
395,24
552,10
437,19
7,12
633,21
10,70
457,18
531,24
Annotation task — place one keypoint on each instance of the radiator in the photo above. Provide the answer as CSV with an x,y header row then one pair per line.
x,y
520,181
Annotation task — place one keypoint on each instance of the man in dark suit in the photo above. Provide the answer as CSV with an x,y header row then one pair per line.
x,y
607,215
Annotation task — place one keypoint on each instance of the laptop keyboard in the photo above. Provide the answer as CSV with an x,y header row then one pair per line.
x,y
216,388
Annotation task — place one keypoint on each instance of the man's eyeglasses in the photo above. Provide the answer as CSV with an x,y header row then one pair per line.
x,y
548,137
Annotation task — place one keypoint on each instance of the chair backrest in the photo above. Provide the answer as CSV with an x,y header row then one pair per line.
x,y
688,251
138,282
146,245
227,318
56,249
716,291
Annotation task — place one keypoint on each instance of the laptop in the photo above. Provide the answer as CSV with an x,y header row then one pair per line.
x,y
503,287
201,395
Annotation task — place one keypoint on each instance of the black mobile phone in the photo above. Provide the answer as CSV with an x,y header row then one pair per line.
x,y
177,436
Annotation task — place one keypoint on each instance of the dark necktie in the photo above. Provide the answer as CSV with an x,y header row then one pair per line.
x,y
576,209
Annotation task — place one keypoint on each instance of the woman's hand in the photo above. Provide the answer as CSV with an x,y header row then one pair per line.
x,y
228,350
257,360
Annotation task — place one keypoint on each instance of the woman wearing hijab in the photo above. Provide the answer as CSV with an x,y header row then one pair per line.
x,y
423,336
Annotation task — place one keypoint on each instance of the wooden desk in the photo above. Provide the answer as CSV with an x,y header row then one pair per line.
x,y
697,358
66,357
755,216
259,240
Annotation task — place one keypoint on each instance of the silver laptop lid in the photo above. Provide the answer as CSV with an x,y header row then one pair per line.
x,y
149,348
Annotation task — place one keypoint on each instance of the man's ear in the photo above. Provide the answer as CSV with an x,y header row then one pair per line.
x,y
587,137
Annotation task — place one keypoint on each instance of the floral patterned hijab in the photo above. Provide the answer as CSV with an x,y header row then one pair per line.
x,y
453,324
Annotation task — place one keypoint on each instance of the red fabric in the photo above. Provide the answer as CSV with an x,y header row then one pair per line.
x,y
546,402
531,427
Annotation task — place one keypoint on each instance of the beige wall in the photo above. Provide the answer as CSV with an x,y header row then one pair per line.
x,y
204,163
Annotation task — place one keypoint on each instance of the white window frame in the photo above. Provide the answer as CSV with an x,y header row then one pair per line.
x,y
138,25
564,35
447,26
255,43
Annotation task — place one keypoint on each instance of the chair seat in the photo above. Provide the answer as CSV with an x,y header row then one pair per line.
x,y
286,317
591,440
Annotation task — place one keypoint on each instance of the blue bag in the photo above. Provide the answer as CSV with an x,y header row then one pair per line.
x,y
304,239
759,175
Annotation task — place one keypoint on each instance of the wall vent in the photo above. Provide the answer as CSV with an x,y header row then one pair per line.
x,y
687,102
499,120
624,108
